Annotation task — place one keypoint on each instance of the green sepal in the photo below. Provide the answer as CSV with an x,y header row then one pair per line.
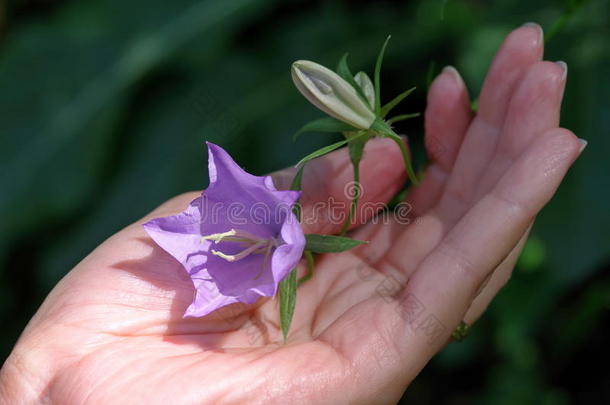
x,y
324,124
474,105
382,128
385,130
330,243
389,106
344,71
327,149
288,300
402,117
378,77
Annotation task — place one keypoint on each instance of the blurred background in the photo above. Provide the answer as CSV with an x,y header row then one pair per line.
x,y
105,105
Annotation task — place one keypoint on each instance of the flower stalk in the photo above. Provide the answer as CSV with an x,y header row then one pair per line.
x,y
355,101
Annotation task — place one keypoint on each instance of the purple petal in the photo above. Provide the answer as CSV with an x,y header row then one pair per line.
x,y
180,236
287,256
207,298
234,200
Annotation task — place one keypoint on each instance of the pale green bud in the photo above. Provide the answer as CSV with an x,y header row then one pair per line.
x,y
365,83
332,94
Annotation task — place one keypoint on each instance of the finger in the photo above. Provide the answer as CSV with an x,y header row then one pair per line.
x,y
325,200
533,109
521,49
498,279
447,117
448,279
328,186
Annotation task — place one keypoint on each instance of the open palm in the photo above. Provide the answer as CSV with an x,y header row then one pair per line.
x,y
370,319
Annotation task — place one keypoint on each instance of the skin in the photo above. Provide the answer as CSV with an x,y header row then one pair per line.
x,y
370,319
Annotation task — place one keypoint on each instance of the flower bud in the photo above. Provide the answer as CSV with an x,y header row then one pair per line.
x,y
332,94
365,83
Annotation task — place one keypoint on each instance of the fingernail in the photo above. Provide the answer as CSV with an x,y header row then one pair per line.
x,y
537,27
583,144
564,66
453,72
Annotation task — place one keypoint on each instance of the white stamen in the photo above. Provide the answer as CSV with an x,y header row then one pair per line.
x,y
254,244
244,253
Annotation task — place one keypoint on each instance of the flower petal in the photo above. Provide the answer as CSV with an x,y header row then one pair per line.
x,y
331,93
180,236
287,256
207,298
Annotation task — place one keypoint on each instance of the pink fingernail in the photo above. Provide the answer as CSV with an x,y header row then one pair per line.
x,y
537,27
564,66
453,72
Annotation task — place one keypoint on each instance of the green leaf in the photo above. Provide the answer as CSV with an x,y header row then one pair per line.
x,y
330,243
325,124
288,300
389,106
344,71
377,77
474,105
402,117
106,85
327,149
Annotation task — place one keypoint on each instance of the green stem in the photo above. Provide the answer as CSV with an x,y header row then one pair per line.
x,y
310,266
405,158
355,198
383,129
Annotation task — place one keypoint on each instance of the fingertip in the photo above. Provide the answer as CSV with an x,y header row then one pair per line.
x,y
447,116
447,97
535,31
583,145
567,140
452,71
564,68
380,145
383,159
527,37
551,155
554,72
448,83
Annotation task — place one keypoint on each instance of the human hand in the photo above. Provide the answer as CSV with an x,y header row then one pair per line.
x,y
370,319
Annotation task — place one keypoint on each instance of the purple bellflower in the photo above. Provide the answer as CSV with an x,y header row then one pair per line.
x,y
237,240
